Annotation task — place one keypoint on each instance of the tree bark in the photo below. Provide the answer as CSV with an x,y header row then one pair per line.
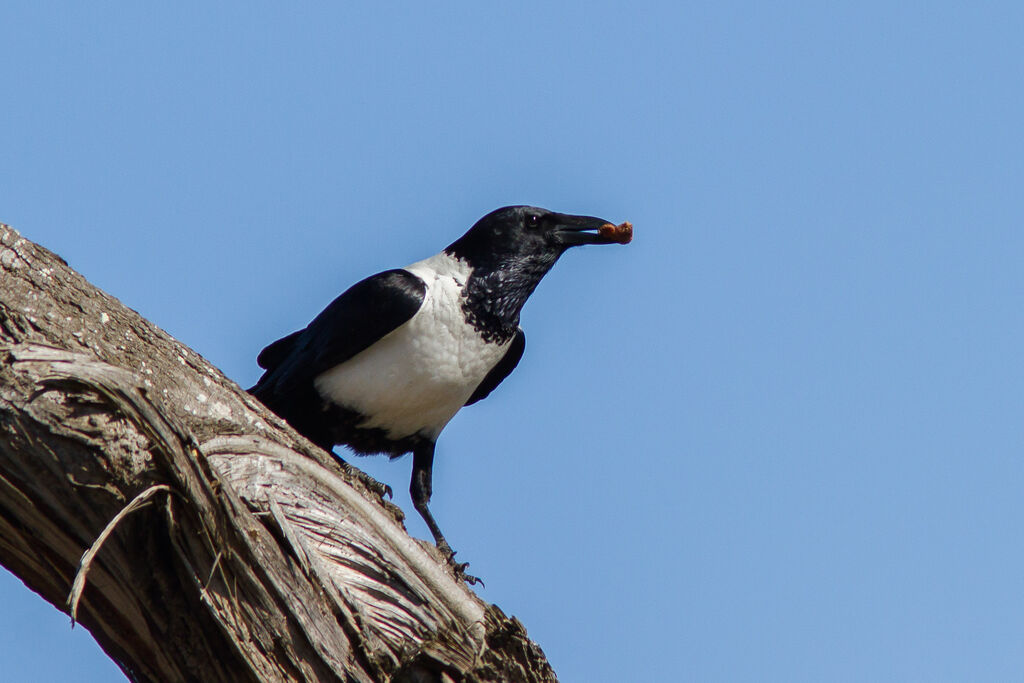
x,y
224,546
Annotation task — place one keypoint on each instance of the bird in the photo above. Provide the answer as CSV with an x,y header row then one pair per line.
x,y
387,364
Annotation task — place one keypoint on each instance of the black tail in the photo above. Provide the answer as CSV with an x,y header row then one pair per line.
x,y
302,408
275,353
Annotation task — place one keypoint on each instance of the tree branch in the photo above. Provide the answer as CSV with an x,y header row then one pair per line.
x,y
261,559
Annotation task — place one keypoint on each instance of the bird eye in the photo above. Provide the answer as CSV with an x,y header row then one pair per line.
x,y
533,220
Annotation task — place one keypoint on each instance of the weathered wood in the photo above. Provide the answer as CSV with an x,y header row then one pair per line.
x,y
251,555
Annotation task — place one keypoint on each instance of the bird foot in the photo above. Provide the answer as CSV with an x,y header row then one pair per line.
x,y
460,573
369,482
459,568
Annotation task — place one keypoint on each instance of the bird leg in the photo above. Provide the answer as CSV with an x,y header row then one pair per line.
x,y
420,489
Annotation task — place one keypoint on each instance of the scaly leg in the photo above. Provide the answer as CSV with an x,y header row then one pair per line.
x,y
420,489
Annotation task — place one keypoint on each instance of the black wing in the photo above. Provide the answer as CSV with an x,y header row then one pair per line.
x,y
364,313
351,323
502,370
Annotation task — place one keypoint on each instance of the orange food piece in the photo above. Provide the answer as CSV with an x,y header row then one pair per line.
x,y
621,233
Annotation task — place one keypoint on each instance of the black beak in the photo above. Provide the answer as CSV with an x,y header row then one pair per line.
x,y
573,231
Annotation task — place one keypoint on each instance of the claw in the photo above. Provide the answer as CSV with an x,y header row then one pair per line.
x,y
370,483
459,568
460,573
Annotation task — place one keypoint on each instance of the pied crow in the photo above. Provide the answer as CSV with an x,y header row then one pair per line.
x,y
389,362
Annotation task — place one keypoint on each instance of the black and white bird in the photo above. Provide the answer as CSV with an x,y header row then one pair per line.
x,y
389,362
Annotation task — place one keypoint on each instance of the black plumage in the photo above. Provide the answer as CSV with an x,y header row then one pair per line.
x,y
385,366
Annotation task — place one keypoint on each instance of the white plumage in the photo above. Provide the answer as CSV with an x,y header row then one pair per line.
x,y
417,377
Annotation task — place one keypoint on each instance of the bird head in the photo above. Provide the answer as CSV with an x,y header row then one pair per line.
x,y
511,249
529,234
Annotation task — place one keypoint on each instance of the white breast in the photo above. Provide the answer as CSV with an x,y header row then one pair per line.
x,y
417,377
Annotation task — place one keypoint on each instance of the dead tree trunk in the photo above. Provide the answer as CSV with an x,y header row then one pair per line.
x,y
224,546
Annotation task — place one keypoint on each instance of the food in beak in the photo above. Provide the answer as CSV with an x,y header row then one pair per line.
x,y
621,233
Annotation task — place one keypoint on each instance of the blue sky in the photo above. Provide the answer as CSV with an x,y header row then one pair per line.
x,y
778,437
